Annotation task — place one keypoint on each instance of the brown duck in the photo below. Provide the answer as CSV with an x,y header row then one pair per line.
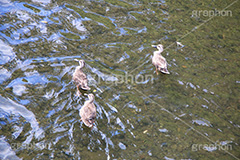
x,y
158,60
88,111
80,78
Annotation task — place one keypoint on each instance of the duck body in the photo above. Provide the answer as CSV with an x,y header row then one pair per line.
x,y
80,78
159,61
88,111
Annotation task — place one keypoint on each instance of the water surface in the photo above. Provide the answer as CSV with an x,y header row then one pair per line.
x,y
193,113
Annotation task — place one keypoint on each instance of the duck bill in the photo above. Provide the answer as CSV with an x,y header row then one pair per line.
x,y
154,46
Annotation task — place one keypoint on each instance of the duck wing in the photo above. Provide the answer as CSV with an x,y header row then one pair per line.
x,y
159,61
80,79
88,111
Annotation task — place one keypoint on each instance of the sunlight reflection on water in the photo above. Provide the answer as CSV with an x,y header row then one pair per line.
x,y
39,41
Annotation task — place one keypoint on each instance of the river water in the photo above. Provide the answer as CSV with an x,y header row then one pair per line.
x,y
193,113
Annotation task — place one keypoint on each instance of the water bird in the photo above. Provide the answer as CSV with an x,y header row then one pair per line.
x,y
179,44
158,60
80,78
88,111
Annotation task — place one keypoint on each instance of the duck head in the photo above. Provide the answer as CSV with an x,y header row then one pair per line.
x,y
159,47
81,63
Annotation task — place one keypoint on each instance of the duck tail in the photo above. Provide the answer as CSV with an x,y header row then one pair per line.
x,y
164,70
86,88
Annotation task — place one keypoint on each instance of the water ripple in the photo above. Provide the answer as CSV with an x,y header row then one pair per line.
x,y
39,41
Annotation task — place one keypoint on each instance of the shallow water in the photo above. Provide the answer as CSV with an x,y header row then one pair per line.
x,y
193,113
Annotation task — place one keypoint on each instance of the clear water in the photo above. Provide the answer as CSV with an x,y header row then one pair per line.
x,y
193,113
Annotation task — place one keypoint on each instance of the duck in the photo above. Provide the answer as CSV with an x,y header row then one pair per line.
x,y
80,78
159,61
88,111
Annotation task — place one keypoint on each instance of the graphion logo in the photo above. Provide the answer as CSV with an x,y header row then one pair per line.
x,y
21,146
211,147
30,146
210,13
